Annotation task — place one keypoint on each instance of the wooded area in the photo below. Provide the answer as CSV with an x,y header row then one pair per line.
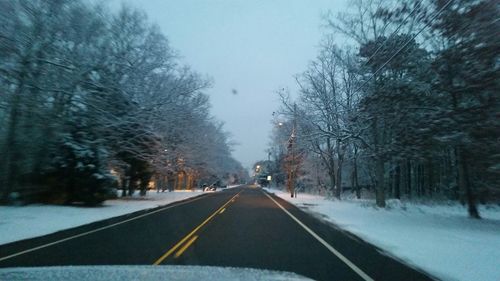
x,y
90,99
408,109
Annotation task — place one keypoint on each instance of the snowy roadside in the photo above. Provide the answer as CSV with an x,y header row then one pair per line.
x,y
18,223
440,239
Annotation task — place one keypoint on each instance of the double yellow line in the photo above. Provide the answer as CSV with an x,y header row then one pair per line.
x,y
191,237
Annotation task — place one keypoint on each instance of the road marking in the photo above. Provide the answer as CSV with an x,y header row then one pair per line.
x,y
184,248
169,252
222,211
322,241
97,230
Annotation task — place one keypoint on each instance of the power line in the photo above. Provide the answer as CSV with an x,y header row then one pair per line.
x,y
391,35
406,44
394,32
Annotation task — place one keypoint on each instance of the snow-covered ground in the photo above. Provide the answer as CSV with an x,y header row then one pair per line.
x,y
17,223
438,238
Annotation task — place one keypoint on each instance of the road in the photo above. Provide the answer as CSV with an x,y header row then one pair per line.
x,y
238,227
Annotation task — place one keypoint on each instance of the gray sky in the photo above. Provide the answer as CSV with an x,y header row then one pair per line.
x,y
254,47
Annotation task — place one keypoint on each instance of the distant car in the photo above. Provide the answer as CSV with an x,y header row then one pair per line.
x,y
262,181
212,187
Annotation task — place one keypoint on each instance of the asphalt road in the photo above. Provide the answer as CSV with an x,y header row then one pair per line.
x,y
239,227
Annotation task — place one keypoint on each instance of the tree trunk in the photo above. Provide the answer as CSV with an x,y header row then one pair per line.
x,y
379,167
355,182
10,150
338,191
464,184
125,183
331,175
144,185
429,177
397,180
132,184
380,187
419,179
408,177
423,180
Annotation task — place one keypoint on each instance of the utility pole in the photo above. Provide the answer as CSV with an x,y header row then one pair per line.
x,y
292,169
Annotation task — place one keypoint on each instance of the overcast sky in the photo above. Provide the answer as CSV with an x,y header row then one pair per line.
x,y
252,46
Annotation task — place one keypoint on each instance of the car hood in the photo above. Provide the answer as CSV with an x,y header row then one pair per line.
x,y
144,272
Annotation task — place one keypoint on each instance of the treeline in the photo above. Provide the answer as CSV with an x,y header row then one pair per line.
x,y
90,99
410,109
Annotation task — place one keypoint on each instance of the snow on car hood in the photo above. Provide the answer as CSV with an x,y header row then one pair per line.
x,y
144,272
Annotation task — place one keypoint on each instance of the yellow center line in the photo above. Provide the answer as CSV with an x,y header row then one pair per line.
x,y
181,250
222,211
175,204
169,252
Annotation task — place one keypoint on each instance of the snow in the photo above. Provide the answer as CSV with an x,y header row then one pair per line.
x,y
438,238
22,222
124,273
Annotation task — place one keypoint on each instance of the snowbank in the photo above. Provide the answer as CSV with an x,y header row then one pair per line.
x,y
17,223
440,239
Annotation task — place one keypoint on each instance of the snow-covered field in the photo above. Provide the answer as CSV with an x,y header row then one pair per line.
x,y
438,238
17,223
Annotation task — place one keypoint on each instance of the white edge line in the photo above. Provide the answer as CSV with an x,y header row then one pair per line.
x,y
95,230
328,246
